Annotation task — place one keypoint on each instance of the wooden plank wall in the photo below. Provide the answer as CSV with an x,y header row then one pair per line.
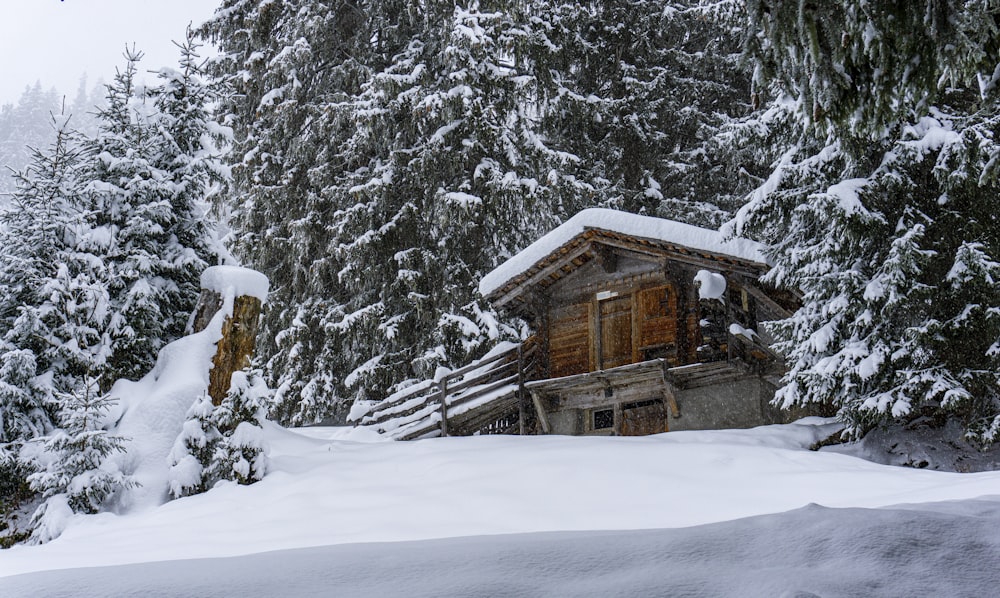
x,y
569,340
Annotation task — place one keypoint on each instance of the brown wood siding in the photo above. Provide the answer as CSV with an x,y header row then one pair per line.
x,y
569,342
642,418
657,323
616,332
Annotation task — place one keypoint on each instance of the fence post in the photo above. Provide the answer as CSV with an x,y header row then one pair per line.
x,y
522,413
444,405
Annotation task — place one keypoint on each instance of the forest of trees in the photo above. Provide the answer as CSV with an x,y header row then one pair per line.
x,y
28,125
386,154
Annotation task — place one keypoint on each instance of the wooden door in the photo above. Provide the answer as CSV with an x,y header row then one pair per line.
x,y
616,332
644,417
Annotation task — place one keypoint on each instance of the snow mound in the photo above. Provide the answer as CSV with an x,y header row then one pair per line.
x,y
152,411
711,285
240,281
937,549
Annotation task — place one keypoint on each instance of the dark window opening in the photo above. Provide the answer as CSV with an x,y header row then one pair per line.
x,y
604,419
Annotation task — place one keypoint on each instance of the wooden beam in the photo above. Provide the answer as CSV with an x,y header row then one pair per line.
x,y
692,257
522,410
443,397
544,272
540,412
762,297
670,399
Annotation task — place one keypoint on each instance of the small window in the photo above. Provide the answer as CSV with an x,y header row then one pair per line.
x,y
604,419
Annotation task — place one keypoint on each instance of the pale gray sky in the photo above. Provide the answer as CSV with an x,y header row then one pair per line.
x,y
57,42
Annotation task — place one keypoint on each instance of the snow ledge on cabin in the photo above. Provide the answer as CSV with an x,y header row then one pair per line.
x,y
649,227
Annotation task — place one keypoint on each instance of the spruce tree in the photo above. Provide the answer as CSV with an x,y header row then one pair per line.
x,y
191,456
71,458
389,154
223,442
883,214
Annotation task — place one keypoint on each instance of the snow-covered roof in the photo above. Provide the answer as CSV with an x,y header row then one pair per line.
x,y
633,225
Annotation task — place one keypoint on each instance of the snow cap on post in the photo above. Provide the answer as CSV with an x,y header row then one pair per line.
x,y
240,293
242,282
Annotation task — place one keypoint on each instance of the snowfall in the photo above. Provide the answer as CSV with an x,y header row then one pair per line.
x,y
347,512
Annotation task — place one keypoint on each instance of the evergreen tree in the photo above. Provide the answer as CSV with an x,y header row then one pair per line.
x,y
101,250
25,125
36,230
886,220
241,455
153,162
71,459
639,91
191,456
391,153
224,442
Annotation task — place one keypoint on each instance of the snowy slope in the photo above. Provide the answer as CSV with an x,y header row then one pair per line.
x,y
938,549
329,486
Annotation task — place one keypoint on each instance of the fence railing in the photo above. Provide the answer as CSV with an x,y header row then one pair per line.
x,y
487,396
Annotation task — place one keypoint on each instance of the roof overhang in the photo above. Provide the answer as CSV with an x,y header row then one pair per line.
x,y
584,236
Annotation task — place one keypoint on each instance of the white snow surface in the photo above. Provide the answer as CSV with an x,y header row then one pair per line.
x,y
648,227
150,413
711,285
932,549
338,486
242,281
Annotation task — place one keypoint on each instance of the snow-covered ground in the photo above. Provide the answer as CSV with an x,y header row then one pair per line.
x,y
337,486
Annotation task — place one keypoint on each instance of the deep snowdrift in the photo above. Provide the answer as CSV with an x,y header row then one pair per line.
x,y
936,549
329,487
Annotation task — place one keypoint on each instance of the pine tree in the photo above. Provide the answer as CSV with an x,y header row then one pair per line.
x,y
241,455
72,456
886,221
23,126
224,442
154,161
33,235
191,456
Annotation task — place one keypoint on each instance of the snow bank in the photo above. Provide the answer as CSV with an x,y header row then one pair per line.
x,y
693,237
151,412
240,281
937,549
325,486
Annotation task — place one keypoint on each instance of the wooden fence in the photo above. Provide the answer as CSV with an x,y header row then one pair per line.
x,y
486,397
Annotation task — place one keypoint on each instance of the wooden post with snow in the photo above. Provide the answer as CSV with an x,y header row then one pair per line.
x,y
240,293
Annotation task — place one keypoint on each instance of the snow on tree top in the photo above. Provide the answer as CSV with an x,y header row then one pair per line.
x,y
648,227
242,281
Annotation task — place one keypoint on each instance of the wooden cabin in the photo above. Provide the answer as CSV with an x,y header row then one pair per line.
x,y
643,325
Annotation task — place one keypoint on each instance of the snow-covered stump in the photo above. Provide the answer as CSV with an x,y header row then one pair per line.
x,y
248,290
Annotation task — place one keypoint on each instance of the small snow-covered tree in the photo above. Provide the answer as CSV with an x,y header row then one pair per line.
x,y
241,455
72,462
191,456
224,442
